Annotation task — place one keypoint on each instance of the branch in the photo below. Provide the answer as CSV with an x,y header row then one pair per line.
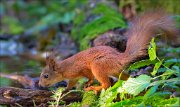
x,y
26,81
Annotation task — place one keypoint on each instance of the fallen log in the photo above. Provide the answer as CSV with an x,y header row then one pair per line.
x,y
25,97
28,97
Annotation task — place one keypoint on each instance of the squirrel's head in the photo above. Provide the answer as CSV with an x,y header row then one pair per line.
x,y
50,74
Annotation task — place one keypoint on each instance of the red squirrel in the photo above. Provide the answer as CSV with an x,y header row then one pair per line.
x,y
101,62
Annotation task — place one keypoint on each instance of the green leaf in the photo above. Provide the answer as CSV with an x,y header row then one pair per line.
x,y
173,81
176,104
135,85
107,96
161,70
167,73
156,98
150,92
79,18
141,63
128,102
156,67
176,68
152,50
169,62
103,23
106,10
116,85
75,104
172,102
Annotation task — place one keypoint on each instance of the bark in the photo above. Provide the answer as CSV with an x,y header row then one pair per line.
x,y
24,97
28,97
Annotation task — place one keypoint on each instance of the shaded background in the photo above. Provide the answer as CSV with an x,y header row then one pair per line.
x,y
32,28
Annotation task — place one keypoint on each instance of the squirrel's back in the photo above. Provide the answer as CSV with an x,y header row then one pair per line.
x,y
143,28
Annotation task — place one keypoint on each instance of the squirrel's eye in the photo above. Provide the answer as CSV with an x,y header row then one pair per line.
x,y
46,76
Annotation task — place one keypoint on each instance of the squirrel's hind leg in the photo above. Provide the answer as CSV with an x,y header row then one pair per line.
x,y
101,76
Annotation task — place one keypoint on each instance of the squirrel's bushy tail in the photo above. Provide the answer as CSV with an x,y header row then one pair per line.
x,y
143,28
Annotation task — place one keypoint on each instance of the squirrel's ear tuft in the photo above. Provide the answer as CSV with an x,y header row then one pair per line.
x,y
51,61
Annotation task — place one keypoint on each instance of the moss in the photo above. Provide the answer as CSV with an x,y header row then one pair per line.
x,y
74,104
89,99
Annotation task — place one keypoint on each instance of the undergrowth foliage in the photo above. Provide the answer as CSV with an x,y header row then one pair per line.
x,y
164,77
106,18
57,96
157,89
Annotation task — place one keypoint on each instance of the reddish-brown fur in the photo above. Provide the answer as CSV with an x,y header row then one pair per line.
x,y
102,61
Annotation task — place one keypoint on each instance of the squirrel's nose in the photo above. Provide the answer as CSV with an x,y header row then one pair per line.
x,y
39,84
40,87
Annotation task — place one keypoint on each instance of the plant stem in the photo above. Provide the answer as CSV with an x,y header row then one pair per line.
x,y
70,92
163,74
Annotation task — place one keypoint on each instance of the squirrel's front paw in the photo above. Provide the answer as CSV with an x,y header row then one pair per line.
x,y
88,84
89,88
96,89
